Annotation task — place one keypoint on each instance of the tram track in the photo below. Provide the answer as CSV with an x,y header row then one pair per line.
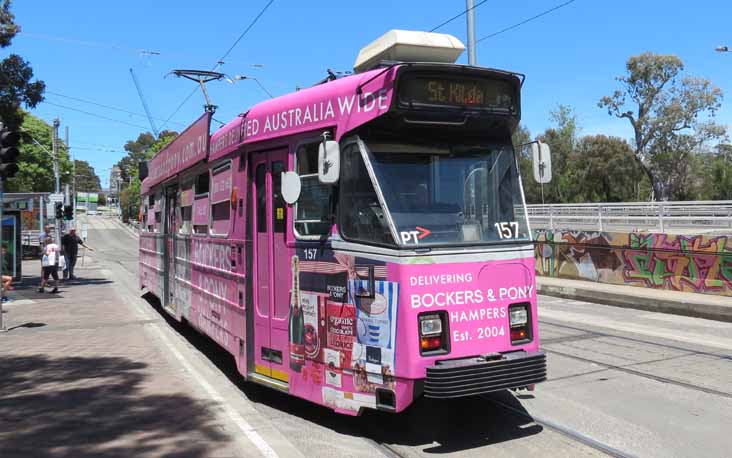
x,y
627,369
563,430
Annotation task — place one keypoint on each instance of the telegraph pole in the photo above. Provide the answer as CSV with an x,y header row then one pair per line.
x,y
470,10
56,173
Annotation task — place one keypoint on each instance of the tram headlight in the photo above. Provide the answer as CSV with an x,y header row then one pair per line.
x,y
518,316
430,325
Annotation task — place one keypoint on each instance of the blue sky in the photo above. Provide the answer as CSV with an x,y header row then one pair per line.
x,y
84,49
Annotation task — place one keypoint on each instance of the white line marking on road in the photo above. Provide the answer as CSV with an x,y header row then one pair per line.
x,y
233,415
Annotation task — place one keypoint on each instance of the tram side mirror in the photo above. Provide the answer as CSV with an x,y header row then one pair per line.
x,y
329,162
291,187
542,159
142,169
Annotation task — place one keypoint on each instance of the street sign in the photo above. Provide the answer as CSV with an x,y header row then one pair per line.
x,y
84,232
56,197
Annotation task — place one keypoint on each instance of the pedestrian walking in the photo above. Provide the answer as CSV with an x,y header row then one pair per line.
x,y
70,243
49,266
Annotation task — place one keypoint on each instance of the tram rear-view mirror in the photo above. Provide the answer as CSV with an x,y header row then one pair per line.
x,y
329,162
291,187
542,159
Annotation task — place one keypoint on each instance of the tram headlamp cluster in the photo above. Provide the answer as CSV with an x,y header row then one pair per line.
x,y
519,323
433,334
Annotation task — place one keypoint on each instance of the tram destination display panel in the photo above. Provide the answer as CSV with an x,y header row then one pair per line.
x,y
458,91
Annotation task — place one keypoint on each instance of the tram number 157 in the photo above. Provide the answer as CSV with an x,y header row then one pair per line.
x,y
507,230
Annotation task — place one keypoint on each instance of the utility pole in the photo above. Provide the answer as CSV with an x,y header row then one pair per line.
x,y
57,173
470,10
72,202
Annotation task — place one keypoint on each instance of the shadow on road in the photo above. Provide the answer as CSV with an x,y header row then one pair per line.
x,y
94,407
435,426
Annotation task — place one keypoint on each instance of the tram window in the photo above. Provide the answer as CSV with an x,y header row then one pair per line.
x,y
202,184
312,219
360,214
220,213
279,209
261,190
186,208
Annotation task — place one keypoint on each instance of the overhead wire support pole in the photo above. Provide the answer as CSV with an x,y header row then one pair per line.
x,y
470,13
144,103
57,174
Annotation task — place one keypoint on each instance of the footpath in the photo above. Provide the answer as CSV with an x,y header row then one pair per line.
x,y
95,371
679,303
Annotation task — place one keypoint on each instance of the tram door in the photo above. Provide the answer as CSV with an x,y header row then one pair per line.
x,y
170,228
271,264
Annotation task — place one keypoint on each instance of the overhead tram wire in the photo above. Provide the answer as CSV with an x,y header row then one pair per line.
x,y
518,24
109,107
95,115
221,59
457,16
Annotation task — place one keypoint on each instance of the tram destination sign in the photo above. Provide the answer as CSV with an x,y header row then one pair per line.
x,y
458,91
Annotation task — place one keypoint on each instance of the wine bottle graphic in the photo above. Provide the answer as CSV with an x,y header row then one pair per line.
x,y
297,321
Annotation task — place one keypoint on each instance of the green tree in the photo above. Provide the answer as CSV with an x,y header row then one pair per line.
x,y
86,179
718,170
662,105
36,161
606,171
139,150
16,87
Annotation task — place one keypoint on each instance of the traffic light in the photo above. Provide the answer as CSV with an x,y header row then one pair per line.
x,y
9,152
68,212
59,210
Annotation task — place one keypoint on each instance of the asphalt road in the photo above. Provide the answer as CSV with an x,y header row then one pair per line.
x,y
622,382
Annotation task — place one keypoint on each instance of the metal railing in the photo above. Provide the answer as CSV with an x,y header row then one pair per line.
x,y
653,216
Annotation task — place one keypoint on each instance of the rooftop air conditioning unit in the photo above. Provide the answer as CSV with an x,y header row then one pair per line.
x,y
409,46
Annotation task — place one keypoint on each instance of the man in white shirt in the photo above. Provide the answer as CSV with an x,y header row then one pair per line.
x,y
49,264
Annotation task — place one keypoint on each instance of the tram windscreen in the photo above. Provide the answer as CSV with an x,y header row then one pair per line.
x,y
452,194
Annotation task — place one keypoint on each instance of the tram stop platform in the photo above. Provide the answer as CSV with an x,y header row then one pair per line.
x,y
675,302
96,371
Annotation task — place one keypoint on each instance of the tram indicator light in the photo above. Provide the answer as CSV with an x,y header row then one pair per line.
x,y
430,343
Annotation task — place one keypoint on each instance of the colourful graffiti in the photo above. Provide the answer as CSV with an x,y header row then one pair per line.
x,y
692,263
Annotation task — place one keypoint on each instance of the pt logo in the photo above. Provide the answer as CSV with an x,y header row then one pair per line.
x,y
414,236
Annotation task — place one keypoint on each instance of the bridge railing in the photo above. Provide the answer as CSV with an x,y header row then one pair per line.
x,y
652,216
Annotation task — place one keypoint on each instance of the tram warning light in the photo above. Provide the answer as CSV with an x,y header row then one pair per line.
x,y
59,210
9,152
68,212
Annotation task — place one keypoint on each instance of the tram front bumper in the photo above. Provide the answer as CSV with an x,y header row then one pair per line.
x,y
483,374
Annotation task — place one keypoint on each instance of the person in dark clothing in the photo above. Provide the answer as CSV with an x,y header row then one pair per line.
x,y
70,243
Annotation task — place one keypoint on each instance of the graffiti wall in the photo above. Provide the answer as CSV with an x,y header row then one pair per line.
x,y
692,263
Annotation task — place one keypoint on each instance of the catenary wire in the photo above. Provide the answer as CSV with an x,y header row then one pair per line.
x,y
457,16
95,115
109,107
518,24
228,51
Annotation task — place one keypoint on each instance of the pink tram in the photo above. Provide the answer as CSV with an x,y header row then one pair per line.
x,y
359,243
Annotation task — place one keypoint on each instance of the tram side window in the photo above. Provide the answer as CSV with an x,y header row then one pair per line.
x,y
150,207
312,219
361,217
186,209
200,204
